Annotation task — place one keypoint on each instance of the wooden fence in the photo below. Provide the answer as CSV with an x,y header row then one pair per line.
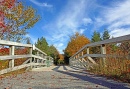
x,y
83,58
36,59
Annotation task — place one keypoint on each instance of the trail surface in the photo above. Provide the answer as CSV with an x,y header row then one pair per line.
x,y
59,77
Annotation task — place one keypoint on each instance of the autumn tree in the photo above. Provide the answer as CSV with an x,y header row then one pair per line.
x,y
77,41
17,20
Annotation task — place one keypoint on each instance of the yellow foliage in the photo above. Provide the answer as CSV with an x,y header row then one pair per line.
x,y
77,41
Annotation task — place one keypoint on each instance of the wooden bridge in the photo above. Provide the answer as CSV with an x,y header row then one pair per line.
x,y
73,76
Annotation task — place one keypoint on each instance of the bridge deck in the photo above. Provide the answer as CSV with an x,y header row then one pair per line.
x,y
59,77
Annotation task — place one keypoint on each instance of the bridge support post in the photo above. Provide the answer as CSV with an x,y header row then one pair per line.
x,y
103,51
30,52
11,52
89,58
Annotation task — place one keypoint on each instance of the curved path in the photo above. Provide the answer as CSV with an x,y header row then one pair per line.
x,y
59,77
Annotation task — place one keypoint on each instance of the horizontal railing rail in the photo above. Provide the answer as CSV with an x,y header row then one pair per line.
x,y
79,57
33,60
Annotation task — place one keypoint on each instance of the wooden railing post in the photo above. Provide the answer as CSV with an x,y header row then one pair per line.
x,y
89,58
87,50
30,52
11,52
103,51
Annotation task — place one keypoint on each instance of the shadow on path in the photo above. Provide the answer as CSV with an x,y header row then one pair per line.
x,y
99,81
56,69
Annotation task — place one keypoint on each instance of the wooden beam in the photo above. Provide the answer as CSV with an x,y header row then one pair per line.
x,y
11,52
108,41
10,43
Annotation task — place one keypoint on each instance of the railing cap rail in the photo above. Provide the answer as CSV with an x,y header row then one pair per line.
x,y
108,41
9,43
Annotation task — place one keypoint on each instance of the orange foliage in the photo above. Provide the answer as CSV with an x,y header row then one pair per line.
x,y
61,57
77,41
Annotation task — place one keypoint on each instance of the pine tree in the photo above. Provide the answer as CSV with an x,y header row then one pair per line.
x,y
53,52
42,44
96,37
105,35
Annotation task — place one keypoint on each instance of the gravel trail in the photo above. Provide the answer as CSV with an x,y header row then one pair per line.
x,y
59,77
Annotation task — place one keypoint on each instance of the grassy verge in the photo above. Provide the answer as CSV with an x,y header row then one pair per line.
x,y
117,69
13,73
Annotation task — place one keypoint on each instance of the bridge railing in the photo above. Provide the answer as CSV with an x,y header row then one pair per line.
x,y
85,58
36,59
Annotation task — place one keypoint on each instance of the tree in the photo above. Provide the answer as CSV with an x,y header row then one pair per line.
x,y
77,41
95,38
43,45
53,52
105,35
49,50
17,20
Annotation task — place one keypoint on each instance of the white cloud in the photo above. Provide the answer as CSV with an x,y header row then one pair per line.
x,y
41,4
87,21
116,17
67,23
81,31
120,32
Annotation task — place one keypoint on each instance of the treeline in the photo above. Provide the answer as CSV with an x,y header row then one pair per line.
x,y
77,41
49,50
113,67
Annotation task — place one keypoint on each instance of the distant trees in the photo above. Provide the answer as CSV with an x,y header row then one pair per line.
x,y
17,20
53,52
50,50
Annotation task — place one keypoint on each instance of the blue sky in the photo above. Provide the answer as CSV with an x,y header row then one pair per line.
x,y
62,18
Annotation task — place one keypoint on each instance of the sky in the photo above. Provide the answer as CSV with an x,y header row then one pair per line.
x,y
60,19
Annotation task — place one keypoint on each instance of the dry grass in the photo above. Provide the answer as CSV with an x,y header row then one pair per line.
x,y
13,73
114,68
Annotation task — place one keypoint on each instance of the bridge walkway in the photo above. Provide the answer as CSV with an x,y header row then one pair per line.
x,y
59,77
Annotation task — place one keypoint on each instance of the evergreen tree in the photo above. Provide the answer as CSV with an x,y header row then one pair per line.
x,y
49,50
105,35
54,53
43,45
96,37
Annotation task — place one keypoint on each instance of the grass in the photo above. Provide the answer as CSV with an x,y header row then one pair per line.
x,y
114,68
13,73
4,65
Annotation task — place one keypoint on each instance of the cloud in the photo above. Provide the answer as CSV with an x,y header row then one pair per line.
x,y
87,21
120,32
116,18
41,4
81,31
67,23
